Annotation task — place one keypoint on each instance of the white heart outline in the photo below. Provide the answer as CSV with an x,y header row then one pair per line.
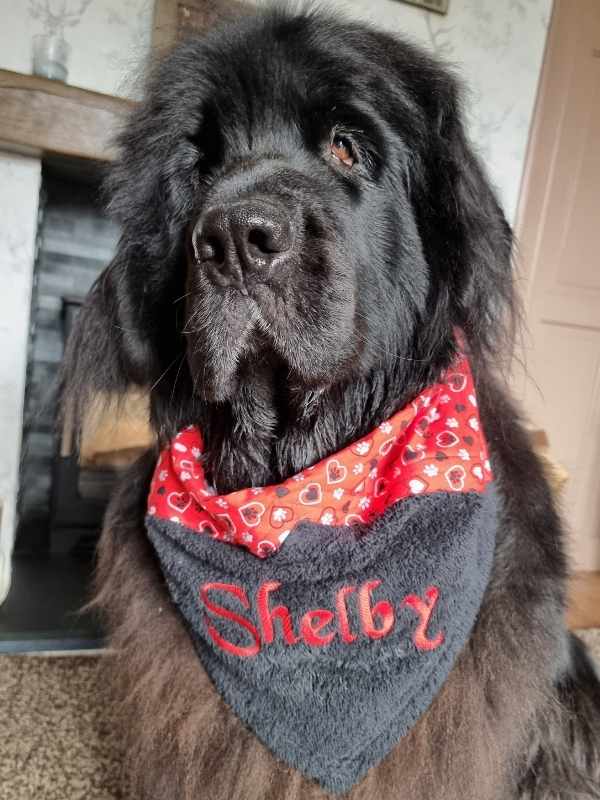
x,y
307,489
446,432
463,475
265,548
181,509
456,375
418,450
261,513
202,526
343,469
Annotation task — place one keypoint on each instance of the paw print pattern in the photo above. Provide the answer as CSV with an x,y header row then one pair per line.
x,y
434,444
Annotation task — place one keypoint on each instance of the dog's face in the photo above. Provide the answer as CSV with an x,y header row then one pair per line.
x,y
304,252
298,200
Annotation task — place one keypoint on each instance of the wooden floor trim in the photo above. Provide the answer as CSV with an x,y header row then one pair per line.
x,y
584,600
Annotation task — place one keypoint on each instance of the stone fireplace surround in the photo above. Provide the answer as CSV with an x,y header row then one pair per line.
x,y
109,39
19,192
40,119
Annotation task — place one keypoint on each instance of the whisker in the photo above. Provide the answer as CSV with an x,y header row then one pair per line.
x,y
177,376
159,379
183,296
125,330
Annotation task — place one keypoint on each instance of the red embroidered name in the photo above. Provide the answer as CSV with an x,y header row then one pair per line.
x,y
318,627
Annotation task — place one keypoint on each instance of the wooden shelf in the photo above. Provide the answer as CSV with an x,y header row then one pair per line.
x,y
44,117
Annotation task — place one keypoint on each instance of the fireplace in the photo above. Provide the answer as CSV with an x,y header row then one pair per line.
x,y
65,485
75,242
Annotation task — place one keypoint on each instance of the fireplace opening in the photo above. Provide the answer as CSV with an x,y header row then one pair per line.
x,y
64,489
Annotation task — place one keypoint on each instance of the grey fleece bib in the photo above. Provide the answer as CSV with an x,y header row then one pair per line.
x,y
331,649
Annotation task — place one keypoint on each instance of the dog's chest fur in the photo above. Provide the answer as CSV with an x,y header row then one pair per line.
x,y
468,745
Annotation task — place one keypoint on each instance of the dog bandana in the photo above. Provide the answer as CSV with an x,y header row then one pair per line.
x,y
332,647
434,444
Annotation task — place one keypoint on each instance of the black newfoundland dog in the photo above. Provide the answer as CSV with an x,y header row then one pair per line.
x,y
308,241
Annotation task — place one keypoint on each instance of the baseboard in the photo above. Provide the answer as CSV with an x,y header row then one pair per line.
x,y
583,609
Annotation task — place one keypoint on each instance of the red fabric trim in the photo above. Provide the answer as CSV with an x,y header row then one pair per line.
x,y
433,444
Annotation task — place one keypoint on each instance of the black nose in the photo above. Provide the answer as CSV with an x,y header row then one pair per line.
x,y
242,239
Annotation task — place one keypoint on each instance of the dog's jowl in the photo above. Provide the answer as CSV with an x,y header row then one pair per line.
x,y
340,571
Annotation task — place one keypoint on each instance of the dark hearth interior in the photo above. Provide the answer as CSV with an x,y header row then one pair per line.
x,y
60,503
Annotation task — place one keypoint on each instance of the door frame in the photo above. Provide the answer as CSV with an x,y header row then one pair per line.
x,y
541,153
538,174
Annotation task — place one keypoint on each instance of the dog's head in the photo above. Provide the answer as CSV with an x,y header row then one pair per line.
x,y
296,195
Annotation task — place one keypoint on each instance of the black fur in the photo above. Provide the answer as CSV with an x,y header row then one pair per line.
x,y
392,257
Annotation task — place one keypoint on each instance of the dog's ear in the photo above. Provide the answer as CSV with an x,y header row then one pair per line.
x,y
107,351
479,238
465,235
129,328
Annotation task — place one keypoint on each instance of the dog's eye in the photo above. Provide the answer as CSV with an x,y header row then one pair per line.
x,y
342,150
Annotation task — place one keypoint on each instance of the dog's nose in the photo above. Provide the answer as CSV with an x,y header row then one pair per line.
x,y
246,237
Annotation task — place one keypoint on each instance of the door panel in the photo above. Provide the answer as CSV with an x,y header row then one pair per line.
x,y
559,230
566,403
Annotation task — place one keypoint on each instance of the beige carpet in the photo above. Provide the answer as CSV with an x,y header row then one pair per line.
x,y
57,739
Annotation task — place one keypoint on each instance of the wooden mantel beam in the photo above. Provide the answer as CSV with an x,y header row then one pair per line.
x,y
44,117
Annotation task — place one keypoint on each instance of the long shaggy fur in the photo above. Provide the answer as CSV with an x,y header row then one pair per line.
x,y
389,262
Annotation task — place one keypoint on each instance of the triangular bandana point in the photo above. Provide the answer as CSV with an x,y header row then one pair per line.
x,y
342,630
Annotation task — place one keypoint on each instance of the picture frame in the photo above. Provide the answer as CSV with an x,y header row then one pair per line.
x,y
439,6
175,20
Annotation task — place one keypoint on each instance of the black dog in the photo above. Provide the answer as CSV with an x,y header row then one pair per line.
x,y
306,235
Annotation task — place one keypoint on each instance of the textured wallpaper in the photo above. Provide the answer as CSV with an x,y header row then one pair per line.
x,y
109,39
